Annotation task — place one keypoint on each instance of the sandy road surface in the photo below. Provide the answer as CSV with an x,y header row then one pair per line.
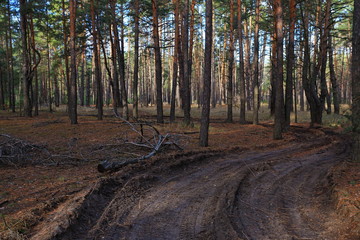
x,y
281,193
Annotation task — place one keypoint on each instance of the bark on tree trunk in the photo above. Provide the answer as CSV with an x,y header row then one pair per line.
x,y
26,78
136,62
356,83
82,78
10,69
187,72
279,102
96,62
36,91
334,82
247,64
231,64
65,40
256,66
241,59
158,65
2,83
175,62
290,65
73,76
205,114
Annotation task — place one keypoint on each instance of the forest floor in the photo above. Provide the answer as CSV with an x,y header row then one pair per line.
x,y
244,186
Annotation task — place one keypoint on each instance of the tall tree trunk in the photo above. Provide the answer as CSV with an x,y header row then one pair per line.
x,y
158,65
48,64
121,60
300,74
88,89
334,82
82,77
324,95
290,64
205,114
10,69
2,84
256,66
115,56
241,59
65,40
175,62
96,61
136,62
214,90
279,99
36,90
247,62
187,71
309,82
355,69
26,68
273,75
73,76
231,65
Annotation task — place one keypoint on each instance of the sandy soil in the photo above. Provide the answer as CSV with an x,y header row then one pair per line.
x,y
272,193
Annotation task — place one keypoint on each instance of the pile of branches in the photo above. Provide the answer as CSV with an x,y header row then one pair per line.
x,y
145,136
14,151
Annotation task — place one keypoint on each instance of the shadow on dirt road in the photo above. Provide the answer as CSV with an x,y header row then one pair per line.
x,y
273,193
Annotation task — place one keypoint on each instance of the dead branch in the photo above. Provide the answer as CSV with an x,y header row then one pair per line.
x,y
155,142
14,151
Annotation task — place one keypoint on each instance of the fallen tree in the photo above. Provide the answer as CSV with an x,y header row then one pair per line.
x,y
147,137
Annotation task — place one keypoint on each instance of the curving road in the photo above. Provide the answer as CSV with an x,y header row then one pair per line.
x,y
275,194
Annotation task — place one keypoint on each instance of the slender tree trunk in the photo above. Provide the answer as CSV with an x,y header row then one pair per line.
x,y
82,78
96,61
279,102
205,114
324,95
158,65
175,62
187,71
290,64
2,83
247,63
214,89
115,54
241,59
256,66
231,65
300,73
355,70
121,60
10,69
36,91
334,82
65,40
136,62
273,75
73,76
26,78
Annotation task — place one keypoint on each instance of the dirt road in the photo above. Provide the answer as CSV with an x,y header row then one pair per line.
x,y
273,193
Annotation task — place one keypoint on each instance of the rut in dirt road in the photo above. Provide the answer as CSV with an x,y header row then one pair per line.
x,y
275,194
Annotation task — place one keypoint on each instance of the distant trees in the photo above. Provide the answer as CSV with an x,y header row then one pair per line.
x,y
141,53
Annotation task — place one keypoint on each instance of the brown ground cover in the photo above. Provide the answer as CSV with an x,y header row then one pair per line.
x,y
62,175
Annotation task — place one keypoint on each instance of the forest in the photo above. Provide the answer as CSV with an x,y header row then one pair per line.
x,y
237,96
